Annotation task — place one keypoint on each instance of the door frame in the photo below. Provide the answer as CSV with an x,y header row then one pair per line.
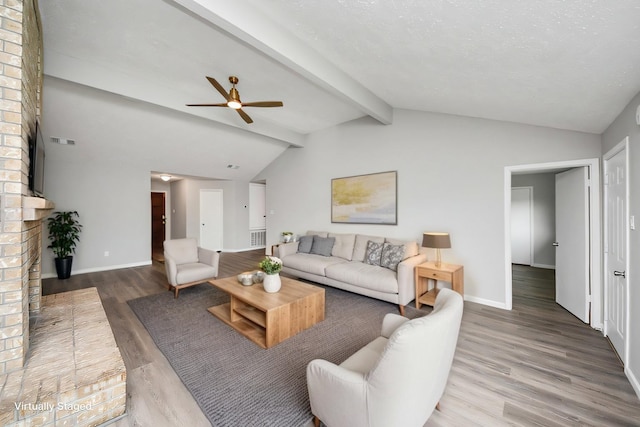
x,y
595,238
620,147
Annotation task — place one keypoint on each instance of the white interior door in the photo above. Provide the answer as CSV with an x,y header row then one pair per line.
x,y
211,221
572,242
616,229
521,229
257,206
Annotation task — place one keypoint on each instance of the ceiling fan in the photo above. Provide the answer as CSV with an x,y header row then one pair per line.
x,y
233,99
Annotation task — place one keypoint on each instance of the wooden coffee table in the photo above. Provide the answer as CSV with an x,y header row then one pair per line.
x,y
268,319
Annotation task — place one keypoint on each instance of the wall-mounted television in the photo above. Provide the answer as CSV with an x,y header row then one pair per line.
x,y
36,162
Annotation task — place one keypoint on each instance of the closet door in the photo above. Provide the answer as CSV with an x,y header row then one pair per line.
x,y
257,206
521,220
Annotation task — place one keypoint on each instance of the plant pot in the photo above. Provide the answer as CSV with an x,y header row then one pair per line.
x,y
63,267
271,283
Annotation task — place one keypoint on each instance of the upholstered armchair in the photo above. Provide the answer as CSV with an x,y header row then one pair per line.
x,y
187,264
395,380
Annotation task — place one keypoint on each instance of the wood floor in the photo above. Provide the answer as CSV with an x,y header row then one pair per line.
x,y
536,365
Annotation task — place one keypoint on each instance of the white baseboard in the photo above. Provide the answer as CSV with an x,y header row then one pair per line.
x,y
547,266
96,269
244,250
633,379
483,301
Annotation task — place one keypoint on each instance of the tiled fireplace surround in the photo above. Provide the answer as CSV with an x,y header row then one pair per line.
x,y
59,362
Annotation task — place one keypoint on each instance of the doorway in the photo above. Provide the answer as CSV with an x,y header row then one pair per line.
x,y
158,225
594,262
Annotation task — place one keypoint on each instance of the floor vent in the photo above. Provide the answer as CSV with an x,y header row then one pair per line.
x,y
258,238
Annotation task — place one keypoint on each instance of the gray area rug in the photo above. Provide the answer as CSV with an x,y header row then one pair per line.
x,y
237,383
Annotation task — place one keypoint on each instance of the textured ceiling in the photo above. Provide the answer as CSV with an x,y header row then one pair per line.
x,y
570,64
563,64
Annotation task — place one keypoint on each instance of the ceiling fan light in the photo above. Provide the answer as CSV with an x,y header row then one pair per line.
x,y
234,99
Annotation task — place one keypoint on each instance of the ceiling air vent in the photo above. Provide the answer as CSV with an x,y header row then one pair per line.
x,y
63,141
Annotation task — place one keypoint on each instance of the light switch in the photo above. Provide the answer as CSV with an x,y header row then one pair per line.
x,y
632,222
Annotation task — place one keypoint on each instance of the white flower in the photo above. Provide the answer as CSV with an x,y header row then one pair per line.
x,y
271,265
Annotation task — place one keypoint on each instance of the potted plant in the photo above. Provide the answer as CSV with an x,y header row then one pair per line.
x,y
271,266
287,236
64,234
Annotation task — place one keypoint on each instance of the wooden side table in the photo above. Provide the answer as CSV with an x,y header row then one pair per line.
x,y
446,272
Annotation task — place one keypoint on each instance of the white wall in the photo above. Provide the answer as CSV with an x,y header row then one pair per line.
x,y
544,211
106,175
178,210
625,125
450,178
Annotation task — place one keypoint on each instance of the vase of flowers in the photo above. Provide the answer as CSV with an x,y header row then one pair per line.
x,y
271,266
287,236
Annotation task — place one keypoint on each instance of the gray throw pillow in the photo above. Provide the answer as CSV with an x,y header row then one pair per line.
x,y
322,245
392,255
373,253
304,244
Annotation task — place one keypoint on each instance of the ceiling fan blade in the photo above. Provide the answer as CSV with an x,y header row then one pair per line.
x,y
207,105
244,116
218,87
263,104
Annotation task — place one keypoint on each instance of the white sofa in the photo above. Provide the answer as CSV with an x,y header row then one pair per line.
x,y
346,267
395,380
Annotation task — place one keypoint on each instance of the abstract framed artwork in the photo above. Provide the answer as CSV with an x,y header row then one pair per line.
x,y
365,199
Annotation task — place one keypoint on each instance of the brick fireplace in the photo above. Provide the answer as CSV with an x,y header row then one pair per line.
x,y
20,225
69,371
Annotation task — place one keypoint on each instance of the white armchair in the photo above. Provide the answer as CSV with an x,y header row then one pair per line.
x,y
187,264
395,380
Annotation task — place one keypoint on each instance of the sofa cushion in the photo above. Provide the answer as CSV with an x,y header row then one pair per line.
x,y
322,245
410,247
360,246
343,247
310,263
183,251
304,244
194,271
392,255
364,275
317,233
373,253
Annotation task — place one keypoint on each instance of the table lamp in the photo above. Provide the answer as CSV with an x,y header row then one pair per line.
x,y
437,241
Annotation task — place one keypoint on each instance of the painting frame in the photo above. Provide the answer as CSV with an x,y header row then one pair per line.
x,y
365,199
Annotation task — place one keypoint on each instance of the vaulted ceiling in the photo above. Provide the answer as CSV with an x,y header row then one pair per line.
x,y
570,64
